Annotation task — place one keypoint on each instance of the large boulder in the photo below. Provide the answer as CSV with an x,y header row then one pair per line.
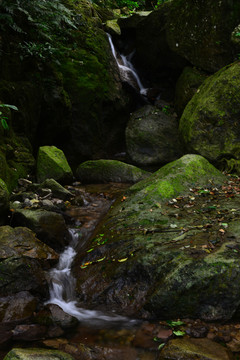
x,y
200,31
49,226
163,250
37,354
23,261
102,171
52,163
152,137
210,122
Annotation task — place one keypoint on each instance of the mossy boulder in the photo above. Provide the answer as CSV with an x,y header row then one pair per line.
x,y
152,137
52,163
200,31
152,255
58,191
189,349
103,171
37,354
209,124
186,86
23,261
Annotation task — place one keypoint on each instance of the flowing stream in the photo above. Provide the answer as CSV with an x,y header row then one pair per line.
x,y
126,69
62,282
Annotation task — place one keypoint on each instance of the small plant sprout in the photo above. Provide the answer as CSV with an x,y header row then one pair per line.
x,y
3,119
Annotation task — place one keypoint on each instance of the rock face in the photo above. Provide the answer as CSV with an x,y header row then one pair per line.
x,y
152,137
204,43
186,86
16,159
158,59
4,201
18,307
58,191
37,354
103,171
72,97
23,260
52,163
188,349
49,226
165,257
209,124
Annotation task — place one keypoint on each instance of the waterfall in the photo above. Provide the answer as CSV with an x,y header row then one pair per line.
x,y
62,285
127,71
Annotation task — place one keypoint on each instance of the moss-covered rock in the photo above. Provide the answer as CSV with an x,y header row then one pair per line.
x,y
57,190
209,124
155,255
186,86
152,137
189,349
52,163
112,27
67,88
200,31
37,354
103,171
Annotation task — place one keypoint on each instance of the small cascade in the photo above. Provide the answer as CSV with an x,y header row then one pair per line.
x,y
127,71
62,285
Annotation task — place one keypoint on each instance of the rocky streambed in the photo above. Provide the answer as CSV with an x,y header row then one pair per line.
x,y
156,278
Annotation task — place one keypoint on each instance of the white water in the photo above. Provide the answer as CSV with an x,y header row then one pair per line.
x,y
62,285
126,69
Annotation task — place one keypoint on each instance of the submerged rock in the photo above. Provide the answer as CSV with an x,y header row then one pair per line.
x,y
163,250
37,354
52,163
103,171
189,349
152,137
210,122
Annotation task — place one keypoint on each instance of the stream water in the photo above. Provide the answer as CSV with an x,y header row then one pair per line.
x,y
62,283
127,71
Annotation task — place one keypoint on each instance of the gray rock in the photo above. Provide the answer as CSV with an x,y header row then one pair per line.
x,y
152,137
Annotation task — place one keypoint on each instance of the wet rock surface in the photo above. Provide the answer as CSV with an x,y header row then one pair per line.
x,y
152,136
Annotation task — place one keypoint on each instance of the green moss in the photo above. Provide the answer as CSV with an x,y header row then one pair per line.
x,y
101,171
209,124
52,163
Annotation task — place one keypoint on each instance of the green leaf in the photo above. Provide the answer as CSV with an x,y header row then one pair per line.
x,y
179,333
175,323
161,346
4,124
90,250
13,107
